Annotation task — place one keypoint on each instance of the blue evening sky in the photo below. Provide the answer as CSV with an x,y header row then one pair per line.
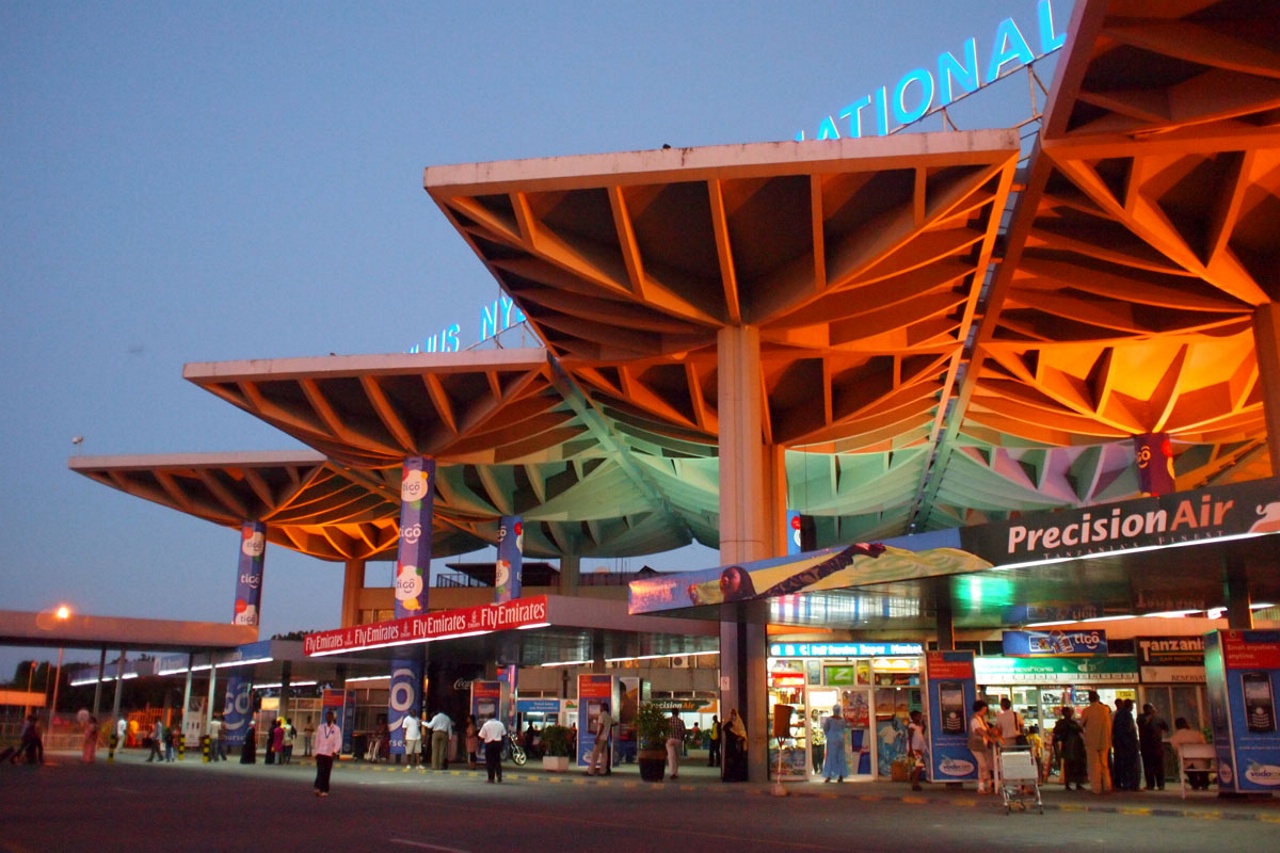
x,y
205,181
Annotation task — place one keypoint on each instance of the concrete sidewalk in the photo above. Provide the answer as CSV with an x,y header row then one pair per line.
x,y
697,777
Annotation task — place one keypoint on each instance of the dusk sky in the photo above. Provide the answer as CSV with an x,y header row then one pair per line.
x,y
185,182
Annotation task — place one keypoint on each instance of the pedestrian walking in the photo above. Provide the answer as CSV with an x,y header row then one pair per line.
x,y
217,752
675,742
157,742
492,733
713,748
327,746
89,752
290,736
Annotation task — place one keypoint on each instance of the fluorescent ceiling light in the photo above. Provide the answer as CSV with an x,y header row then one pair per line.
x,y
568,663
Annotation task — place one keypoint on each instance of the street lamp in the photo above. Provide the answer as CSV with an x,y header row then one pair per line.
x,y
26,711
62,613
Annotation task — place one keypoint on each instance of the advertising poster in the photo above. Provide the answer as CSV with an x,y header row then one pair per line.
x,y
949,695
831,568
1030,644
237,711
594,693
253,547
508,570
486,701
1241,670
413,567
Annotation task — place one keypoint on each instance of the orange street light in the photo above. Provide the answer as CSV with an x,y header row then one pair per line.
x,y
62,613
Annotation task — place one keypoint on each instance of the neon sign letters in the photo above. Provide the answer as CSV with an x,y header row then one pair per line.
x,y
498,316
920,92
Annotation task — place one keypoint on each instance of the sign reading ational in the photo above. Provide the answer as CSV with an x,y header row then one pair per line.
x,y
517,613
920,92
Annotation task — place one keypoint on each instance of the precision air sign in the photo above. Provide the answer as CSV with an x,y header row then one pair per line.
x,y
1221,512
425,628
920,92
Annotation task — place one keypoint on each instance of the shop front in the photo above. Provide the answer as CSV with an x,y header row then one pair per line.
x,y
1040,687
1173,679
875,685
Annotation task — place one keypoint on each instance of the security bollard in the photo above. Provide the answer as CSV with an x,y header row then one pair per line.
x,y
111,748
204,747
182,746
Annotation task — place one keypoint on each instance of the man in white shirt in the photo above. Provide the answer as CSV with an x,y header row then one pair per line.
x,y
216,753
441,727
412,738
328,745
492,733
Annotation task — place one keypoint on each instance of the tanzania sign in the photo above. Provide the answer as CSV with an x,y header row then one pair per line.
x,y
1242,509
1171,660
518,613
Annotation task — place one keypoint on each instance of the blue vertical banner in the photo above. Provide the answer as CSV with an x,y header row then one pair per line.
x,y
253,548
507,582
237,710
794,523
413,569
950,691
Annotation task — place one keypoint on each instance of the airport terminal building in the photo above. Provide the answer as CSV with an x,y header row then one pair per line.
x,y
1045,386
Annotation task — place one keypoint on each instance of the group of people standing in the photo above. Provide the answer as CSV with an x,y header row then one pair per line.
x,y
441,729
1104,749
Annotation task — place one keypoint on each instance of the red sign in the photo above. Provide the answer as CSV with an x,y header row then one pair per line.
x,y
940,667
1239,652
517,613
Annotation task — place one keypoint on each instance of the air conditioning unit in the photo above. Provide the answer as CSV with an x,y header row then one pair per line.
x,y
680,662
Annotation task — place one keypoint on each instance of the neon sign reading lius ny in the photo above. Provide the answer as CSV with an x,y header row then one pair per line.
x,y
920,92
496,317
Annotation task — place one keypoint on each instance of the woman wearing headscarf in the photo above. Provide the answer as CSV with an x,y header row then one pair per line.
x,y
249,749
1068,744
735,749
981,739
834,763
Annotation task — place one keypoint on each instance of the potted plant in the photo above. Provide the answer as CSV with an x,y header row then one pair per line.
x,y
555,748
651,734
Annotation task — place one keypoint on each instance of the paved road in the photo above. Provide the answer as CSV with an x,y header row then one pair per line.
x,y
227,807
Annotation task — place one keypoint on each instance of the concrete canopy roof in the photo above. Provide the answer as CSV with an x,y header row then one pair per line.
x,y
947,338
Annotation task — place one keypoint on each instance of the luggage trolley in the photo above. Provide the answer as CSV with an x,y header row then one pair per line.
x,y
1019,780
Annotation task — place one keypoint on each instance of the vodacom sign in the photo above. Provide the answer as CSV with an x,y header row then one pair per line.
x,y
517,613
